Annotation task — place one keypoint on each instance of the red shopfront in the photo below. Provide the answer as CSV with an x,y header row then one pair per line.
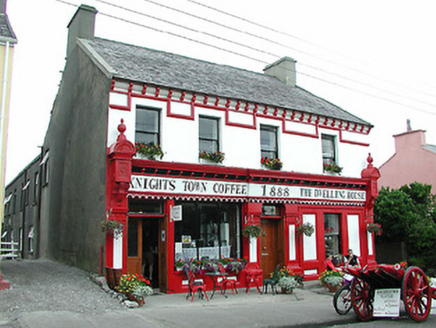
x,y
174,211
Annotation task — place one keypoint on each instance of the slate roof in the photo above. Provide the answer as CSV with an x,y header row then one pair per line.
x,y
431,148
6,32
178,72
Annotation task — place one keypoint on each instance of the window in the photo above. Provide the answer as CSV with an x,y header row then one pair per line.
x,y
209,134
30,236
45,168
328,149
35,186
208,230
147,126
332,234
268,141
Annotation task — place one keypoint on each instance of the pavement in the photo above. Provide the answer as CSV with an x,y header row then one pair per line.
x,y
40,296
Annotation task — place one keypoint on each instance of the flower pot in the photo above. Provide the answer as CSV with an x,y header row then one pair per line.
x,y
132,298
333,288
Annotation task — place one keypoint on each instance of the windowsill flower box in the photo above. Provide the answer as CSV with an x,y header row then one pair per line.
x,y
332,168
214,157
271,163
149,151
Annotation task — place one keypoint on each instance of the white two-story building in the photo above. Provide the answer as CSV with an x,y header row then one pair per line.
x,y
239,148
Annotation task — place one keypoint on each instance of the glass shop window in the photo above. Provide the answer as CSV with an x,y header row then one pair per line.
x,y
332,234
270,210
208,230
145,207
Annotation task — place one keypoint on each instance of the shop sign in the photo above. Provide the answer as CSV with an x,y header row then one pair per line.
x,y
151,184
387,302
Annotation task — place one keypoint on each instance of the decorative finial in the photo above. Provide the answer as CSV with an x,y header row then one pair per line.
x,y
122,127
369,159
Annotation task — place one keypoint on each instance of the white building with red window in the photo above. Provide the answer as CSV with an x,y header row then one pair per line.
x,y
239,148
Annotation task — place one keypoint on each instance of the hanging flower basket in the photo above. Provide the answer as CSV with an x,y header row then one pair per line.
x,y
374,228
150,151
112,227
217,157
271,163
251,231
306,228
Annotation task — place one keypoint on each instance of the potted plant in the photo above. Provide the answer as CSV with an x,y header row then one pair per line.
x,y
306,228
251,231
135,287
287,284
332,168
179,264
271,163
193,265
217,157
233,264
374,228
331,279
286,272
150,150
112,227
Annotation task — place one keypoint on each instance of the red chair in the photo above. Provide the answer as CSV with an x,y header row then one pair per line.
x,y
195,287
253,277
227,282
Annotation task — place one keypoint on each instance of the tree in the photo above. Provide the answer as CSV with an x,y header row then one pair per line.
x,y
408,215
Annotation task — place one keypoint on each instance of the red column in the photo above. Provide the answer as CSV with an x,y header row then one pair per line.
x,y
118,176
371,175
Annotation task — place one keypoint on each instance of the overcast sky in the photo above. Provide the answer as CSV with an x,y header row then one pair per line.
x,y
375,59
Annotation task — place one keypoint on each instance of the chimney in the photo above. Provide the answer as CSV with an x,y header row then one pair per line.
x,y
2,6
284,70
81,26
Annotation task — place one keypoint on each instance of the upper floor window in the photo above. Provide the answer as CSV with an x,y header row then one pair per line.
x,y
209,134
268,141
147,126
45,163
328,149
35,187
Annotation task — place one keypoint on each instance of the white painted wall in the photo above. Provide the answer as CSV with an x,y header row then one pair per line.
x,y
179,139
353,234
309,242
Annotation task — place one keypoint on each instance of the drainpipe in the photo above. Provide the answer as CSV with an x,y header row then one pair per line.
x,y
2,124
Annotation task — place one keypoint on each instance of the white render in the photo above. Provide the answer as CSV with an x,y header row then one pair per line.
x,y
309,242
353,234
118,252
292,245
241,145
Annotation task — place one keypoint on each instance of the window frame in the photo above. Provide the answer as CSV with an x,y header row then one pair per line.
x,y
217,141
329,159
156,133
274,129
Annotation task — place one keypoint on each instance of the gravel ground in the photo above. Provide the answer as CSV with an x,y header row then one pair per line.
x,y
41,285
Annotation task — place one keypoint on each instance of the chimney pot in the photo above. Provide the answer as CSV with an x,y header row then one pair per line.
x,y
284,70
81,26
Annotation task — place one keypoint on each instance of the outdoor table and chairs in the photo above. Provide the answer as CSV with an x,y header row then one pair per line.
x,y
217,284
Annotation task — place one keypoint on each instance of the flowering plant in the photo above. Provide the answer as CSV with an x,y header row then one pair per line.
x,y
112,227
251,231
332,168
179,263
217,157
150,150
271,163
193,265
287,284
233,264
306,228
134,284
286,272
374,228
330,278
